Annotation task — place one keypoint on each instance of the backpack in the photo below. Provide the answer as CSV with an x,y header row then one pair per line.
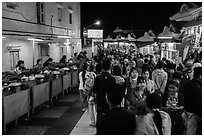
x,y
89,82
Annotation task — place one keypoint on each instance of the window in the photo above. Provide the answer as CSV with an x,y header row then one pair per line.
x,y
70,15
44,48
14,57
59,14
40,12
70,18
12,5
59,11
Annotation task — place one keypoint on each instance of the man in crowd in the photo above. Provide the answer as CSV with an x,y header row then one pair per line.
x,y
118,120
193,103
160,77
102,86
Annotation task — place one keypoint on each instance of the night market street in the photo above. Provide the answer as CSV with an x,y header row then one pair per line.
x,y
101,68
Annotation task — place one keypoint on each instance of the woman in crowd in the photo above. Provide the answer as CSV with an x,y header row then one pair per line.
x,y
172,99
138,97
149,82
88,86
172,103
20,67
131,83
120,87
63,59
82,78
124,67
156,122
38,66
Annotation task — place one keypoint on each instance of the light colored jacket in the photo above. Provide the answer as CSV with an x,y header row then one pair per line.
x,y
81,83
160,77
150,86
146,125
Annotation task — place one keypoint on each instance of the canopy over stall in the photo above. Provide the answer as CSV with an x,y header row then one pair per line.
x,y
108,39
147,39
168,35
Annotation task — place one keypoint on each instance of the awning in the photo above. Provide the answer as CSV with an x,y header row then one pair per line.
x,y
143,44
167,34
146,38
108,39
118,30
117,39
130,39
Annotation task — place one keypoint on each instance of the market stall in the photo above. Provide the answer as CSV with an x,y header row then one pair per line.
x,y
40,94
22,93
66,81
15,105
74,78
168,44
145,42
56,86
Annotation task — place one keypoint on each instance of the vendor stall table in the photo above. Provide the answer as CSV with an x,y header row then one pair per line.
x,y
75,78
40,94
56,87
14,106
66,81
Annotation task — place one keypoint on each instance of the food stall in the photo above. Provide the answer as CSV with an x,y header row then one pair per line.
x,y
14,106
24,92
189,22
168,44
145,43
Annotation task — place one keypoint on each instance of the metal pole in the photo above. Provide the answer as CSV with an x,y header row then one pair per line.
x,y
92,48
33,52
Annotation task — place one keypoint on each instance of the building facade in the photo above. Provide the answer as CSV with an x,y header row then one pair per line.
x,y
33,30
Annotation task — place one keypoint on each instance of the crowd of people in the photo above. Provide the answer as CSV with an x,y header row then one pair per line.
x,y
136,94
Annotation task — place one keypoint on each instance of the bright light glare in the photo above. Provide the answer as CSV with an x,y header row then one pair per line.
x,y
165,37
35,39
97,23
67,37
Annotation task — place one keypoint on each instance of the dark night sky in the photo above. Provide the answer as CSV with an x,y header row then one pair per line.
x,y
127,15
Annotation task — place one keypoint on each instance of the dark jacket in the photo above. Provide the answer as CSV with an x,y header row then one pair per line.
x,y
193,97
128,86
118,121
102,85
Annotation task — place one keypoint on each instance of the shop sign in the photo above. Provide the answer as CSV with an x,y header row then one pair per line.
x,y
93,33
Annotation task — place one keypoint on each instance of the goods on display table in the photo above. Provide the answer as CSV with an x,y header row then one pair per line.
x,y
22,93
